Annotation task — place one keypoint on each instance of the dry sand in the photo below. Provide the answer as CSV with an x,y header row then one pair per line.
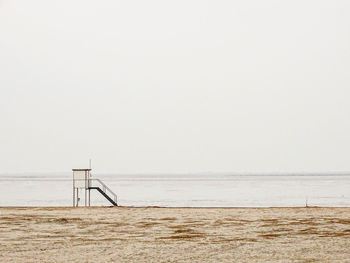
x,y
174,235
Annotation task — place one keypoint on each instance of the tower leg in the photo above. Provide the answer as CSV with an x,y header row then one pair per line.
x,y
77,197
73,196
89,196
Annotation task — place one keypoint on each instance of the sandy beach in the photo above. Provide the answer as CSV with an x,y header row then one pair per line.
x,y
127,234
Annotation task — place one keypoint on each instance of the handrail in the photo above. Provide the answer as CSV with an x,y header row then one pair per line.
x,y
105,188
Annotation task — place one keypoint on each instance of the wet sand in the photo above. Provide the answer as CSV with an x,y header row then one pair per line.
x,y
127,234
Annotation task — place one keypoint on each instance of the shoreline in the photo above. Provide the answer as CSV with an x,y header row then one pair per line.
x,y
175,207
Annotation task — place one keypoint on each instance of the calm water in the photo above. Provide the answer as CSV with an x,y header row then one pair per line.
x,y
195,190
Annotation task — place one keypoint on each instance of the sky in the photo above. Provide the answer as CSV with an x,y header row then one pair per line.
x,y
175,86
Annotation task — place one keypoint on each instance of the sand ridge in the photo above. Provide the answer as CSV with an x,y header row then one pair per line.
x,y
126,234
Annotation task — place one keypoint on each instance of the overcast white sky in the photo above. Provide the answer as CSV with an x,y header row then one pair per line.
x,y
175,86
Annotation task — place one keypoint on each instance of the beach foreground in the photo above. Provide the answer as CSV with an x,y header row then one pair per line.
x,y
127,234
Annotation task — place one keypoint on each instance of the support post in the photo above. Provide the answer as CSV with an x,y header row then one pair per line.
x,y
73,195
89,196
77,197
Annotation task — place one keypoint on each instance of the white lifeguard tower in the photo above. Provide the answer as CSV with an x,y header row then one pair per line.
x,y
82,181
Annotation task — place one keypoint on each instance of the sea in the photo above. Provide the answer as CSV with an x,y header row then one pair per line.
x,y
193,190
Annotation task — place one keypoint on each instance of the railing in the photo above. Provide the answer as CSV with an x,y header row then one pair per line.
x,y
104,188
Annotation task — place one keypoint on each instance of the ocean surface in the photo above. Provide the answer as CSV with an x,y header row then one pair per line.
x,y
184,190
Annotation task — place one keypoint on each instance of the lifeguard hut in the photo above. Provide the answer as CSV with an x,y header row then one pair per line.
x,y
82,182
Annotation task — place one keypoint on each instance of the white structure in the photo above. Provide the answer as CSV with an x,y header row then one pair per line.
x,y
82,181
